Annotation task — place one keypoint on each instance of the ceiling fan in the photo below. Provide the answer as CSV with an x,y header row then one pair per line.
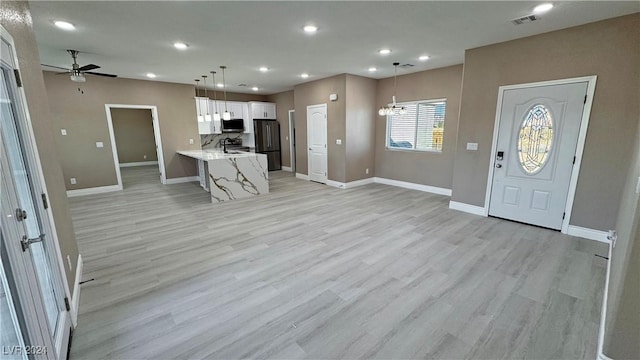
x,y
77,72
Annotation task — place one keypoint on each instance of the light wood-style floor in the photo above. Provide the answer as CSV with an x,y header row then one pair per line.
x,y
311,271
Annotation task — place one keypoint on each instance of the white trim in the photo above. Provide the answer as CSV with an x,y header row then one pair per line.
x,y
292,147
603,310
337,184
139,163
302,176
468,208
181,180
286,168
414,186
582,135
351,184
93,190
75,298
156,134
587,233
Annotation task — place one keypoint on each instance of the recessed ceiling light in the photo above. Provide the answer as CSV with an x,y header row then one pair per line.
x,y
542,8
220,85
264,69
180,45
151,75
423,57
304,75
64,25
372,69
385,51
255,88
310,29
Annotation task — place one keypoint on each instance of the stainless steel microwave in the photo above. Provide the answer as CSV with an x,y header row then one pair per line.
x,y
233,125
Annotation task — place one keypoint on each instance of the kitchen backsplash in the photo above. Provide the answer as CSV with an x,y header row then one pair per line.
x,y
213,141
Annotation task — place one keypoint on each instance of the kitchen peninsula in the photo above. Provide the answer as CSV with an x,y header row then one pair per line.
x,y
233,175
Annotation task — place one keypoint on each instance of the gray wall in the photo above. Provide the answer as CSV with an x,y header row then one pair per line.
x,y
609,49
133,130
16,19
427,168
623,307
361,118
314,93
84,117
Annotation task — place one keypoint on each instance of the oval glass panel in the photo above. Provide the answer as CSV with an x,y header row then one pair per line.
x,y
535,139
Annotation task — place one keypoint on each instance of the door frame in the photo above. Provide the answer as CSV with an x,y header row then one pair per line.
x,y
156,134
582,135
326,129
292,145
33,155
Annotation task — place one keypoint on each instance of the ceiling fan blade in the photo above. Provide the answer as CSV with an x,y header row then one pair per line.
x,y
55,67
100,74
64,73
89,67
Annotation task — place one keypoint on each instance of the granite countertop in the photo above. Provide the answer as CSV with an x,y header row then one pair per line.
x,y
216,154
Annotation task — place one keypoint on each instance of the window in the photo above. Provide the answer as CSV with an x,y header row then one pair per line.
x,y
535,139
420,128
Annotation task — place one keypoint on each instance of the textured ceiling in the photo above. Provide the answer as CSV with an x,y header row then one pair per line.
x,y
132,38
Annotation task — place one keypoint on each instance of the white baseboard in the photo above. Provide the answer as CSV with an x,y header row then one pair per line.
x,y
302,176
93,190
471,209
351,184
75,297
140,163
414,186
587,233
181,180
286,168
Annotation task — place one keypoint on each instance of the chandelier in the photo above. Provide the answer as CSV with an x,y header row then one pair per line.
x,y
393,108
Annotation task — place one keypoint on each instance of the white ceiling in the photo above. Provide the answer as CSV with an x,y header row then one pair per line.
x,y
132,38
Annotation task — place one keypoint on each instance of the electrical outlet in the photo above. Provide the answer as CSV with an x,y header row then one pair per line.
x,y
338,141
73,181
366,171
191,141
63,131
144,157
99,144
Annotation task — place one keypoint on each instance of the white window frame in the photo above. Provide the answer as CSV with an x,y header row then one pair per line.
x,y
388,127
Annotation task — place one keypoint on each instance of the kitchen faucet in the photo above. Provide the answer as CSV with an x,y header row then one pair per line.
x,y
224,145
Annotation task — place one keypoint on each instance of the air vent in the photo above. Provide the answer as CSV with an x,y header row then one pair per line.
x,y
525,19
407,66
242,84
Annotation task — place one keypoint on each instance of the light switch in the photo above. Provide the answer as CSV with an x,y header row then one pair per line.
x,y
63,131
472,146
73,181
338,141
99,144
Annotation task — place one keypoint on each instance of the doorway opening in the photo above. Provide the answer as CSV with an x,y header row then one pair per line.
x,y
538,142
136,142
292,140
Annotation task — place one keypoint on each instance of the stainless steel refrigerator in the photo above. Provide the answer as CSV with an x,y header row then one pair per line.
x,y
267,133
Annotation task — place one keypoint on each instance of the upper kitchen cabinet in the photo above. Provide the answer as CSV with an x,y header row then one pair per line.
x,y
262,110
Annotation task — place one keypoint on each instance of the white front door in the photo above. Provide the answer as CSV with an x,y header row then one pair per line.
x,y
535,153
29,251
317,141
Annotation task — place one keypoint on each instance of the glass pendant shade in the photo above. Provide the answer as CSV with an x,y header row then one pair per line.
x,y
226,115
207,117
216,116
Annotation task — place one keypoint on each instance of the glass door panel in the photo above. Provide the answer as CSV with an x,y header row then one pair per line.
x,y
11,336
27,199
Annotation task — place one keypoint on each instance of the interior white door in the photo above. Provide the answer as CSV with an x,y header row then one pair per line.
x,y
317,141
535,153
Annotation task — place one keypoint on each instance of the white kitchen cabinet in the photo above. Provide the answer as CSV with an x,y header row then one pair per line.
x,y
262,110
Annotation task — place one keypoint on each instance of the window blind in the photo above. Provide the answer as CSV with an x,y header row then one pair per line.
x,y
420,128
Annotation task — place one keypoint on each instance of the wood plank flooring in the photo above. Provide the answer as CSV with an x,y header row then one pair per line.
x,y
310,271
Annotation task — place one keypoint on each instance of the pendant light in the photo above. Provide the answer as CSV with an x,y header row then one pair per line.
x,y
207,115
226,115
390,110
216,114
198,108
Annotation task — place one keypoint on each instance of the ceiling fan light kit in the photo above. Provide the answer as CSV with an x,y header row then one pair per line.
x,y
76,73
394,108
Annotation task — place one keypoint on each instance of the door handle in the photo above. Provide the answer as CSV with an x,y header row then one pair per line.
x,y
26,242
498,166
21,214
